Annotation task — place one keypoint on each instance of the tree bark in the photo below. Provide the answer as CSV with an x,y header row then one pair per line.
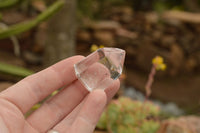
x,y
60,40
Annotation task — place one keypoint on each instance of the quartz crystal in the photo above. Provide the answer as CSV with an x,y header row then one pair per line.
x,y
99,69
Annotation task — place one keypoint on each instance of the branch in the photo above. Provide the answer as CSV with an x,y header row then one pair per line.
x,y
150,82
182,16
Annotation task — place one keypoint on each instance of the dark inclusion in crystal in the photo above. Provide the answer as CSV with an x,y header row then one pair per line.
x,y
99,69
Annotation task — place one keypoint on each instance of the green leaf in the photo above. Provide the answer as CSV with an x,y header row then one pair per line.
x,y
25,26
14,70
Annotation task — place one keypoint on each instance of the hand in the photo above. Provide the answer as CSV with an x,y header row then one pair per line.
x,y
72,110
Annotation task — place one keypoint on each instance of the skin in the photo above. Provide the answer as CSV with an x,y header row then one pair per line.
x,y
72,110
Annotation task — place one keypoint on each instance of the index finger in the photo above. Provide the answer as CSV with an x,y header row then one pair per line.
x,y
36,87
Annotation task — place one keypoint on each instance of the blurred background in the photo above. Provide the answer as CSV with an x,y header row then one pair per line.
x,y
35,34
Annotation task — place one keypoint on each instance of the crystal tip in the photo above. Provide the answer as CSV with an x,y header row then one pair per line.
x,y
101,68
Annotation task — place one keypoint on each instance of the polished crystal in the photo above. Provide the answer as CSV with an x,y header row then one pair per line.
x,y
99,69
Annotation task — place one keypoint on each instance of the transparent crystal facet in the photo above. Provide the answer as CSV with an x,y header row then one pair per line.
x,y
99,69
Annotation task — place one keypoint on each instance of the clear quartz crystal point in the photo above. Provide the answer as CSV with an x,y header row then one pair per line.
x,y
99,69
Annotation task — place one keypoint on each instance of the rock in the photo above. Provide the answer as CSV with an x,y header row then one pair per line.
x,y
11,59
167,40
182,16
130,50
168,108
134,94
40,38
39,5
122,14
152,17
184,124
104,37
5,85
105,25
157,34
127,14
197,55
13,16
125,33
32,58
168,18
83,35
190,64
176,59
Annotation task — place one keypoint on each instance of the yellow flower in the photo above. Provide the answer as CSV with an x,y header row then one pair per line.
x,y
163,67
94,47
158,62
101,46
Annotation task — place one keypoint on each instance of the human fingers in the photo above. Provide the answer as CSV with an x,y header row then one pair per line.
x,y
36,87
59,106
90,113
112,90
66,123
56,108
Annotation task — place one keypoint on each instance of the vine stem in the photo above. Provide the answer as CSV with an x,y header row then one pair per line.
x,y
150,82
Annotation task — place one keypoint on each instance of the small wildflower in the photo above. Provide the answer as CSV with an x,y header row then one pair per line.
x,y
101,46
162,67
158,62
94,47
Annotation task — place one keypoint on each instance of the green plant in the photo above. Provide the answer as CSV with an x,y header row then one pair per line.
x,y
14,70
127,116
25,26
